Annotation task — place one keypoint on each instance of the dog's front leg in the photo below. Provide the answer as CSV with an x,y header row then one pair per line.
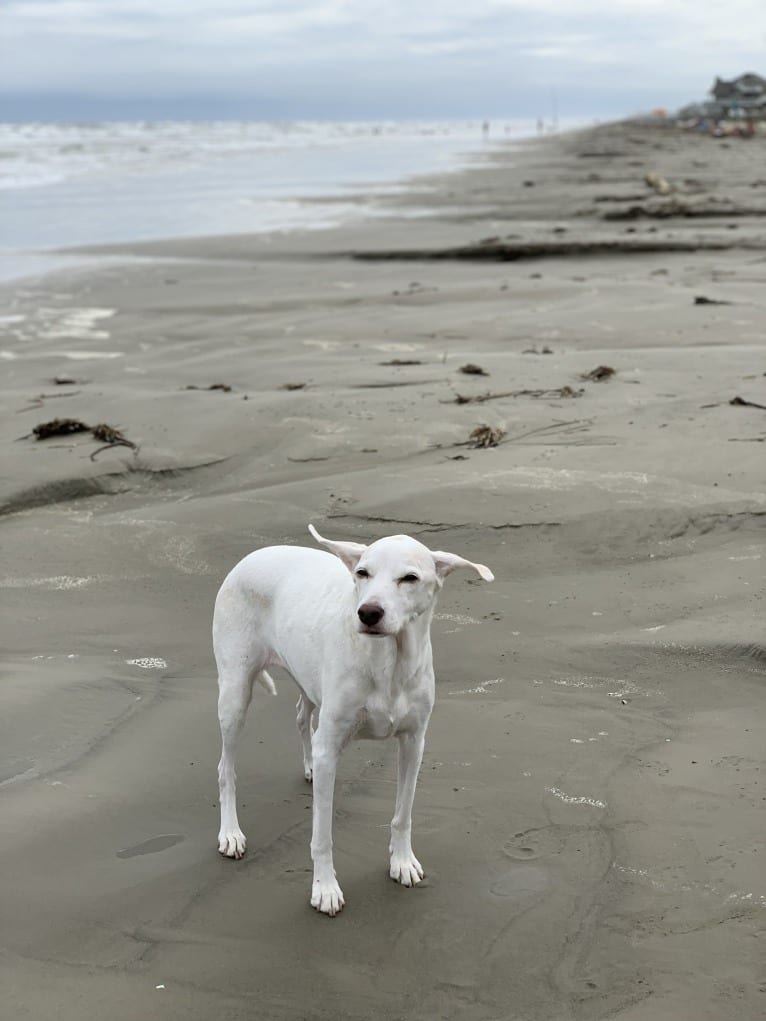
x,y
326,894
404,866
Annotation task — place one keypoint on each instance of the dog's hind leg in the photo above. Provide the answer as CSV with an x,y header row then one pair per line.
x,y
241,657
235,692
304,719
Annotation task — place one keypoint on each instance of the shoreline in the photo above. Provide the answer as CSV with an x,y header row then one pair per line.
x,y
634,221
589,811
324,193
364,203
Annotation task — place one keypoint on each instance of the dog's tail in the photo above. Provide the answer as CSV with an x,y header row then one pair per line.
x,y
266,681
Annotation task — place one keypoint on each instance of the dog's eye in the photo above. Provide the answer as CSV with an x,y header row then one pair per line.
x,y
362,573
410,578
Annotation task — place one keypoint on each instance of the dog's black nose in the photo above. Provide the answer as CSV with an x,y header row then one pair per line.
x,y
370,614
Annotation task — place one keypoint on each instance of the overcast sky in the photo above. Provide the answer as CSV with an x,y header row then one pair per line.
x,y
351,59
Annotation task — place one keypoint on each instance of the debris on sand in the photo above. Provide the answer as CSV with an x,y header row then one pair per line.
x,y
510,250
660,184
601,154
740,402
599,374
106,434
638,210
630,197
675,206
293,386
700,299
394,384
213,386
110,437
485,436
59,427
402,361
38,402
556,392
66,381
473,370
415,287
533,351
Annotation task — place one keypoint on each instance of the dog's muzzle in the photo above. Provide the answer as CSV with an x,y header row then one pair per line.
x,y
370,614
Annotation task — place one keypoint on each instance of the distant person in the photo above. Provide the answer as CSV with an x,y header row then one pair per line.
x,y
540,126
485,129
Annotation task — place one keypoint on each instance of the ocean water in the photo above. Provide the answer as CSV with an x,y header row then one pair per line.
x,y
66,185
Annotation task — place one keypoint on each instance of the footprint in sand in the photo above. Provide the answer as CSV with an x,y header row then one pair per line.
x,y
535,843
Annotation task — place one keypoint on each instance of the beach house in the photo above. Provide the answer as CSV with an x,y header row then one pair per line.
x,y
741,97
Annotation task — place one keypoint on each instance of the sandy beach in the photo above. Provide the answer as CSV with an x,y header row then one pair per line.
x,y
590,807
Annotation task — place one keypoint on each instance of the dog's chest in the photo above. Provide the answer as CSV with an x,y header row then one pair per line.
x,y
382,716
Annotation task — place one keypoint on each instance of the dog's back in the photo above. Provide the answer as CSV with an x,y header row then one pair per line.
x,y
281,602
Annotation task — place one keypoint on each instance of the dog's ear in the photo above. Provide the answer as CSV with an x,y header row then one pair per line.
x,y
348,552
446,563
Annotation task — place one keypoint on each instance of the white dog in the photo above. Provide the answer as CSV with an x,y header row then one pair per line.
x,y
354,633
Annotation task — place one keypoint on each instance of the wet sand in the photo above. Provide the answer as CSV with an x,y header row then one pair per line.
x,y
590,808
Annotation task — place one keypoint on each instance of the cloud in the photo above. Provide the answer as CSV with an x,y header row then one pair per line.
x,y
387,57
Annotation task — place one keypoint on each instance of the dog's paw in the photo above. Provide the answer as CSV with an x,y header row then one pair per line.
x,y
308,772
406,869
232,843
327,897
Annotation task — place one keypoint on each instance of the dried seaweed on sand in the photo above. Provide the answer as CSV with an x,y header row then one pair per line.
x,y
742,403
599,374
485,436
59,427
556,392
108,435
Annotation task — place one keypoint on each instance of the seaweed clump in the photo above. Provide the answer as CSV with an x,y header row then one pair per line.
x,y
106,434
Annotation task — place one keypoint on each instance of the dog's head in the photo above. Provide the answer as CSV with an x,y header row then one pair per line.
x,y
397,579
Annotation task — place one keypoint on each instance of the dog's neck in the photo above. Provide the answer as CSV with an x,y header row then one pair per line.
x,y
413,644
403,658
